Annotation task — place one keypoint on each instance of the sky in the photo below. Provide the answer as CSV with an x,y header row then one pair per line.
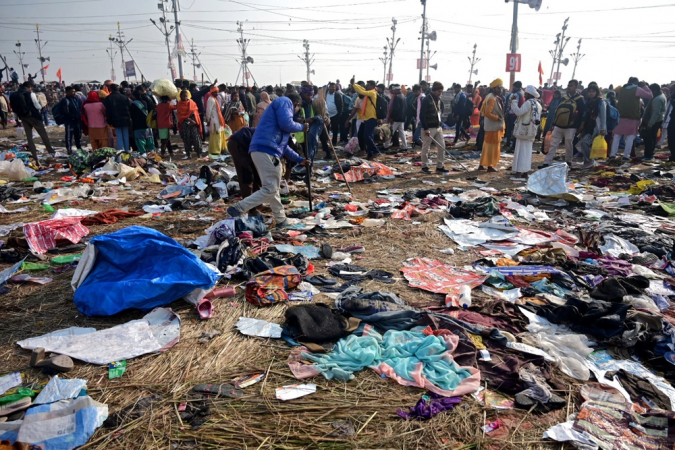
x,y
620,38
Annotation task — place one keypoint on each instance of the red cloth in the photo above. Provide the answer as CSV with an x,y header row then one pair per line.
x,y
546,96
164,117
109,216
42,236
186,109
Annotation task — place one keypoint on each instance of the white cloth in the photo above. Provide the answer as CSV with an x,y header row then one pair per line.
x,y
36,102
522,157
558,135
436,137
526,113
616,140
401,135
211,116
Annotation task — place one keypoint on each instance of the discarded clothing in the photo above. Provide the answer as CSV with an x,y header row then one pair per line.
x,y
358,274
429,406
434,276
109,216
254,224
384,310
270,260
270,287
42,236
317,324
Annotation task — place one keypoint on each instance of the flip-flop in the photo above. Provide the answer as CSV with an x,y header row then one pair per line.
x,y
12,407
219,390
320,280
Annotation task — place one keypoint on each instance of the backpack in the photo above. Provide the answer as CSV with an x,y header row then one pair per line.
x,y
468,107
381,107
18,104
59,117
566,113
612,117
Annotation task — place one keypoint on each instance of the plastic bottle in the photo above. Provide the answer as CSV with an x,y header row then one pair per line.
x,y
465,296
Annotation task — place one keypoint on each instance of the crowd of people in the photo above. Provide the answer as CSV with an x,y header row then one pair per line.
x,y
364,116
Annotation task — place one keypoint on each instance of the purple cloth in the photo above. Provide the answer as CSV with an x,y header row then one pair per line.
x,y
615,266
426,409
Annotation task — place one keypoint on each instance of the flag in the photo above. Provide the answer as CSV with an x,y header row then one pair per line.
x,y
58,74
541,74
44,69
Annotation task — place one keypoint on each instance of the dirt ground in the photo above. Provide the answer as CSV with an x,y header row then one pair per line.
x,y
258,420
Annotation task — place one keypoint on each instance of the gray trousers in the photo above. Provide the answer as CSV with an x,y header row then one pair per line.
x,y
437,138
269,169
29,122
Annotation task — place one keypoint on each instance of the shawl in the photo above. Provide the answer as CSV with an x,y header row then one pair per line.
x,y
91,98
220,114
185,109
228,109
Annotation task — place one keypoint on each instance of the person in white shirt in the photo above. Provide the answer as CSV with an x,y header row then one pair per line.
x,y
334,106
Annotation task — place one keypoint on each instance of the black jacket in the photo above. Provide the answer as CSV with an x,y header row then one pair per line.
x,y
117,109
22,104
198,98
429,117
138,117
339,103
398,109
243,137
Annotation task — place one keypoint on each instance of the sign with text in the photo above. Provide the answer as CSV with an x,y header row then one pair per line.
x,y
513,62
423,63
129,68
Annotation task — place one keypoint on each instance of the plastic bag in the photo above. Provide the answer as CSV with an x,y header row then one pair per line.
x,y
352,146
599,148
549,181
162,86
136,268
13,170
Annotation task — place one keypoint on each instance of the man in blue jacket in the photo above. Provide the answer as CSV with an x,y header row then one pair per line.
x,y
268,146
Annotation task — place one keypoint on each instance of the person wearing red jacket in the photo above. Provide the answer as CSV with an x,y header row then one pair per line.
x,y
165,123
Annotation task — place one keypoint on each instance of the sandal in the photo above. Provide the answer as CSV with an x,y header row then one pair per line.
x,y
320,280
220,390
53,365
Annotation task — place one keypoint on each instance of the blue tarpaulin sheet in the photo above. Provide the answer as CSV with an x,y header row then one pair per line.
x,y
138,268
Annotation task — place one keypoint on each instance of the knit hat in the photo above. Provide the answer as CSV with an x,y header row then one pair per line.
x,y
436,86
497,82
532,91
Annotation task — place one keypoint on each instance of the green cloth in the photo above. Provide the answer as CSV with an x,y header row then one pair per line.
x,y
163,133
21,392
34,266
668,207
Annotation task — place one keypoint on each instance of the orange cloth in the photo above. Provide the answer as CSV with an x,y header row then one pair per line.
x,y
188,108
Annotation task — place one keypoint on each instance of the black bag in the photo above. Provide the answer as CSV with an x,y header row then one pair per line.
x,y
18,103
381,107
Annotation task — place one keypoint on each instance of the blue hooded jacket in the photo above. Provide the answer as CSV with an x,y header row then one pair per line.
x,y
274,129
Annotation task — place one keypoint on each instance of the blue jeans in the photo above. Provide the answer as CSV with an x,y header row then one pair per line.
x,y
123,138
45,116
417,135
73,133
369,137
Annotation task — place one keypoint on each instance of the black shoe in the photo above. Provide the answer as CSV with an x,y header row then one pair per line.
x,y
442,170
426,170
543,166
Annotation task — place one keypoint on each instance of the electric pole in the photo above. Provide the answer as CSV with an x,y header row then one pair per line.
x,y
111,54
392,49
554,54
577,57
245,59
179,44
514,39
166,31
563,44
308,60
473,60
20,55
119,41
195,58
384,61
424,32
429,56
40,46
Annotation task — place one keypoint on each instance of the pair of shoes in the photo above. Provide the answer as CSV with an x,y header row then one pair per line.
x,y
233,212
442,170
426,170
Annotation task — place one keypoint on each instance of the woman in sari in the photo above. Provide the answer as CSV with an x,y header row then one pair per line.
x,y
493,114
189,124
216,123
234,114
262,106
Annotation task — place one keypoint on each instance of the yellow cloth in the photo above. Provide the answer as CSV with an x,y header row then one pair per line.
x,y
217,143
497,82
477,341
371,101
491,148
640,187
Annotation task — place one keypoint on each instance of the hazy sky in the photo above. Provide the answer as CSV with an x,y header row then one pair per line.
x,y
621,38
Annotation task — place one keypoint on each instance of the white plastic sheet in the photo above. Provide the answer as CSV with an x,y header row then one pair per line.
x,y
467,233
157,331
258,328
58,389
549,180
295,391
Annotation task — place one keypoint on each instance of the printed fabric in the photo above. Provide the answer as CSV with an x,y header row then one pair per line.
x,y
42,236
269,287
359,173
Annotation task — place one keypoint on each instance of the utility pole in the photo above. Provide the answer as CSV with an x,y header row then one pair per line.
x,y
424,32
514,39
384,61
179,44
40,46
166,31
473,60
111,54
429,56
392,49
563,44
195,58
577,57
119,41
20,55
245,59
308,60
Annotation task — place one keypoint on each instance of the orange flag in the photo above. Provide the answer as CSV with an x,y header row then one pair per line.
x,y
541,74
58,74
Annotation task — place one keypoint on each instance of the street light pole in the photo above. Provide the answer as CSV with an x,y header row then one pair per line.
x,y
563,44
392,49
166,31
112,54
473,60
384,61
20,55
424,32
554,54
179,56
40,46
577,57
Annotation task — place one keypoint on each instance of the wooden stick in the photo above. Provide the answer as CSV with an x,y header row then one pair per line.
x,y
330,144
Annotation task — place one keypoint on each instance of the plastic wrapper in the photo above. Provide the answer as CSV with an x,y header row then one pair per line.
x,y
14,170
156,332
549,181
259,328
60,389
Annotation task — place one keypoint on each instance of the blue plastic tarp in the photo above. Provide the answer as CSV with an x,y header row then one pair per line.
x,y
138,268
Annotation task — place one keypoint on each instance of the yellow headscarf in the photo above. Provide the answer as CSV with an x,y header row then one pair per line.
x,y
497,82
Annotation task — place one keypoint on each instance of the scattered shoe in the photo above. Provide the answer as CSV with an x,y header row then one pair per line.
x,y
426,170
17,405
326,251
233,212
442,170
53,365
320,280
219,390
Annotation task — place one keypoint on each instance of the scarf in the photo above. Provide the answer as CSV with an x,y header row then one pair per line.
x,y
220,114
188,108
264,100
91,98
228,109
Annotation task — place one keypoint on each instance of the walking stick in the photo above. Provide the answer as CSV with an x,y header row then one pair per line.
x,y
330,143
309,174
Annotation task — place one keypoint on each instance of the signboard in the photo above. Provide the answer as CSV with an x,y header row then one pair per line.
x,y
427,78
513,62
390,76
557,76
130,68
423,62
